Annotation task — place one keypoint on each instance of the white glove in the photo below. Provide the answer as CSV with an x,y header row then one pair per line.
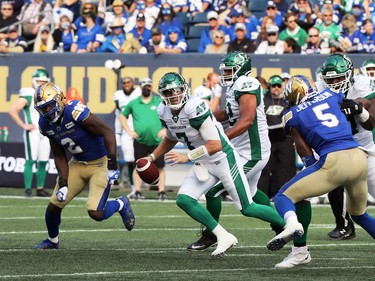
x,y
62,193
112,175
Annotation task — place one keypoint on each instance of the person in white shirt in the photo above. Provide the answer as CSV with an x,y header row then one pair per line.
x,y
272,45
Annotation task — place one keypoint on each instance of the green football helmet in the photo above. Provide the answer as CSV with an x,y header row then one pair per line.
x,y
368,68
298,89
337,72
174,90
234,65
40,76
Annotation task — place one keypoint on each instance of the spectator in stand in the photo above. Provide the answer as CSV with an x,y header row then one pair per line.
x,y
273,13
367,37
331,5
17,6
281,166
167,18
150,10
14,43
266,22
140,31
210,91
33,18
88,37
349,38
293,30
88,6
291,46
282,6
44,41
218,46
328,29
359,12
174,43
272,45
59,10
207,34
7,17
305,14
64,34
315,44
118,41
157,40
252,27
117,13
227,8
241,43
68,7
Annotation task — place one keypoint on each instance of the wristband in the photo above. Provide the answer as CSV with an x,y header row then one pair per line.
x,y
197,153
153,157
364,116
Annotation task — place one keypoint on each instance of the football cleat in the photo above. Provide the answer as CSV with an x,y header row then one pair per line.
x,y
298,256
47,245
206,240
223,244
127,213
345,233
291,232
42,193
28,192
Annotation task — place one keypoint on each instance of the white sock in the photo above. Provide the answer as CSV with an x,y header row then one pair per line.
x,y
219,231
121,204
132,188
290,217
54,240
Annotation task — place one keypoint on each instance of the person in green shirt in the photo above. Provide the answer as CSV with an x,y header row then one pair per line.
x,y
328,29
147,133
293,30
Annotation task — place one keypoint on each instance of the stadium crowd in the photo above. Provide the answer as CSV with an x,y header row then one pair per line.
x,y
180,26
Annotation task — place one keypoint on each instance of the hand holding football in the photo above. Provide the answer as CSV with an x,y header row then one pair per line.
x,y
147,171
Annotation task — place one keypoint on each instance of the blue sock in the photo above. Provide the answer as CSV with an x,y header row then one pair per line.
x,y
367,222
111,208
283,204
53,220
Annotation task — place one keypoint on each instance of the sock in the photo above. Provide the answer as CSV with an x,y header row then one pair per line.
x,y
130,171
265,213
196,211
53,220
41,173
261,198
303,211
213,205
54,240
28,173
104,198
219,231
367,222
111,207
283,204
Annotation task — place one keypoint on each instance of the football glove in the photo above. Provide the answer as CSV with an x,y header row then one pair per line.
x,y
351,107
62,193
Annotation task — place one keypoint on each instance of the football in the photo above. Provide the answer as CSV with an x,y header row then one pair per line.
x,y
147,171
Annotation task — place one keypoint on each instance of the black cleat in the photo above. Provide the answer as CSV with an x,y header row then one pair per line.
x,y
42,193
28,193
206,240
345,233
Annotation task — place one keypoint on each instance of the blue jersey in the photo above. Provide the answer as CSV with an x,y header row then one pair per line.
x,y
70,134
321,123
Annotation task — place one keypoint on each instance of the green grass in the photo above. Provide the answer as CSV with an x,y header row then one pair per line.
x,y
155,249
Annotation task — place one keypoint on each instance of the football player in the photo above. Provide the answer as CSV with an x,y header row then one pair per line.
x,y
316,123
368,68
248,132
190,121
73,128
337,74
36,145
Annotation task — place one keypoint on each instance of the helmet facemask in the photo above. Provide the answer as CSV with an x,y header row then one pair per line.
x,y
338,82
228,74
175,96
49,101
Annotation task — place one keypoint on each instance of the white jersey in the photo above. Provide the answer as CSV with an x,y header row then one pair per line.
x,y
362,87
253,144
185,127
122,101
30,113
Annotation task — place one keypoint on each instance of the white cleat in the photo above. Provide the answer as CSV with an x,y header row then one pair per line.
x,y
291,232
224,244
298,256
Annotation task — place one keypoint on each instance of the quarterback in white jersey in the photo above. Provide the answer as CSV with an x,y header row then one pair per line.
x,y
37,148
190,121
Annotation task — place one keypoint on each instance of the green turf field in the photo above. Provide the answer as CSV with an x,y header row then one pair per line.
x,y
155,249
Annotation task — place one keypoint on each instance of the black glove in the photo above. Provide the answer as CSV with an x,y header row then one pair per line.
x,y
112,162
351,107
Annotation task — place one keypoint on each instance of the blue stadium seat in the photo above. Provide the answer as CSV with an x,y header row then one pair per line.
x,y
257,6
195,31
193,44
199,19
183,17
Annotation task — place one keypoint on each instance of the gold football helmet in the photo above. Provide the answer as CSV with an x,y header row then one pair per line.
x,y
298,89
49,101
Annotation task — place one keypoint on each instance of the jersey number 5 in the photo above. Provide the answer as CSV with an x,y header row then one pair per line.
x,y
327,119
